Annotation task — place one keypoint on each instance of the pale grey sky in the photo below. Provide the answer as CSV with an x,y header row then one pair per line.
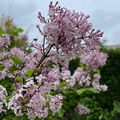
x,y
105,14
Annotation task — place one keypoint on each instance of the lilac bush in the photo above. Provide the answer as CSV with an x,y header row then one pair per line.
x,y
39,73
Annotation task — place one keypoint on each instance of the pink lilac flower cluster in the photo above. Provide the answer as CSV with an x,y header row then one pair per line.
x,y
39,75
3,95
17,52
4,41
94,59
56,103
96,83
69,31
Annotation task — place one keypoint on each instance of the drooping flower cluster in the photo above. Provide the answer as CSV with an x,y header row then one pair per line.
x,y
69,31
40,73
96,83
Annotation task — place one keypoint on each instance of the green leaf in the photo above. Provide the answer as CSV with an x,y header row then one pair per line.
x,y
8,85
15,33
82,90
82,65
20,30
1,67
1,31
19,42
17,59
19,79
50,64
29,50
25,44
13,68
8,97
29,72
98,71
116,105
13,42
8,23
63,83
74,64
61,113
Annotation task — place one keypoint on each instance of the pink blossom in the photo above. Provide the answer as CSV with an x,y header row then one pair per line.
x,y
96,84
15,104
4,41
37,106
56,103
82,110
77,74
84,79
54,74
3,95
17,52
69,31
8,63
94,59
3,74
66,74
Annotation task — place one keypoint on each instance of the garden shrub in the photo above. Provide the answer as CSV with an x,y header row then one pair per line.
x,y
38,80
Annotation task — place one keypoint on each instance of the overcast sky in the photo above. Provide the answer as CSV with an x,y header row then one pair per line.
x,y
105,14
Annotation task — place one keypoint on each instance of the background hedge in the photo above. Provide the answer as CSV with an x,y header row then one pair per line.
x,y
106,105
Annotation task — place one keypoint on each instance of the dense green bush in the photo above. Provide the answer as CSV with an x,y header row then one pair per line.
x,y
111,76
